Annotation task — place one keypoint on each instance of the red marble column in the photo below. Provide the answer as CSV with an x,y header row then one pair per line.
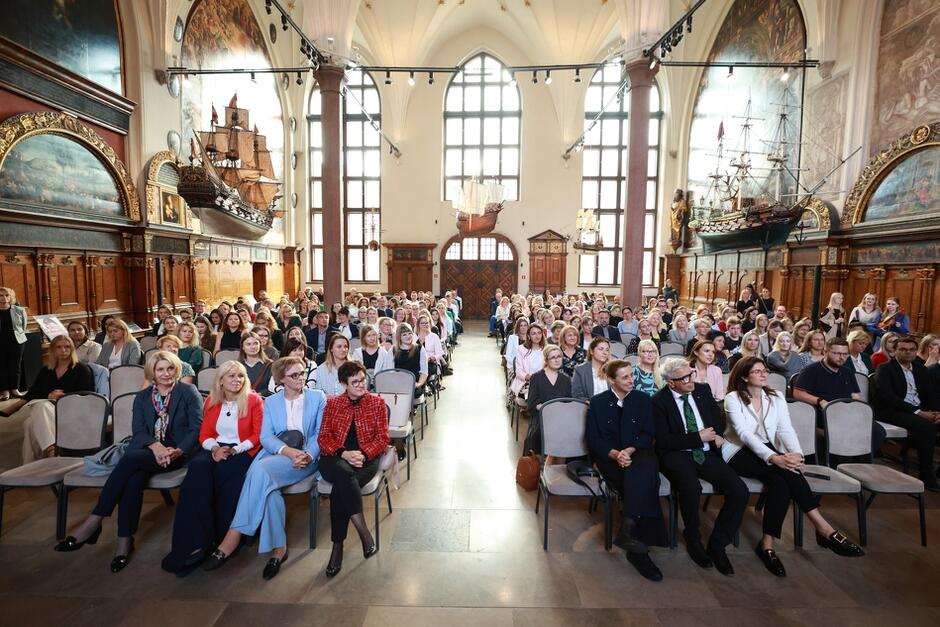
x,y
641,81
330,79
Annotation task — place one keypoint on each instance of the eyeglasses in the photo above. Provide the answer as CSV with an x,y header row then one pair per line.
x,y
839,353
648,352
684,379
758,371
295,376
361,382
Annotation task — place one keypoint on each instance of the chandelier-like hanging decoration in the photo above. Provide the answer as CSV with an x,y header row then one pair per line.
x,y
478,205
588,240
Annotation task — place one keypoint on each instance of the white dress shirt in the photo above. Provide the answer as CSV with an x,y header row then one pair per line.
x,y
698,417
912,397
295,416
227,429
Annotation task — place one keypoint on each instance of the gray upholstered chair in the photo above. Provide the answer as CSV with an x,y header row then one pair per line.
x,y
671,348
374,488
626,338
205,378
307,486
865,385
847,427
778,382
563,424
207,360
618,350
126,379
227,355
400,425
147,342
148,353
632,359
402,382
803,419
81,423
122,417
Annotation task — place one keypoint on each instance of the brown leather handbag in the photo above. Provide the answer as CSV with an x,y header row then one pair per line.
x,y
527,471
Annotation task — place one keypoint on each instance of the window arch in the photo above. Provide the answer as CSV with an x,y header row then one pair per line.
x,y
604,177
482,114
361,180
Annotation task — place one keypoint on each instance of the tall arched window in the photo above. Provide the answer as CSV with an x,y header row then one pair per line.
x,y
362,172
604,179
481,127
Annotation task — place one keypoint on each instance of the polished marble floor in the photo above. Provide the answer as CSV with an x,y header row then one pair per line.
x,y
463,547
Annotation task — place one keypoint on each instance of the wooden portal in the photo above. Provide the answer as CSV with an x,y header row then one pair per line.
x,y
410,267
548,256
476,266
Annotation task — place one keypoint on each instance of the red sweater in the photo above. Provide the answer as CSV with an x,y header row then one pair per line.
x,y
249,426
371,416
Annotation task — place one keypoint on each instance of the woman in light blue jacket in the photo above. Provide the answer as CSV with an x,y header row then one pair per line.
x,y
261,505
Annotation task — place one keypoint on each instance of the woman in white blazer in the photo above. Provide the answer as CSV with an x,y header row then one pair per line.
x,y
760,443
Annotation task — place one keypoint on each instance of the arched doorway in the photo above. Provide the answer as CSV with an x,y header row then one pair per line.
x,y
476,266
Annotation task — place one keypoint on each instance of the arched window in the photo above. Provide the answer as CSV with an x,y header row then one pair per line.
x,y
481,127
604,178
362,171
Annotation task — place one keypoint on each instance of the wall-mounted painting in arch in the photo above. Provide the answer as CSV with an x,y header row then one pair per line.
x,y
753,30
51,163
226,34
80,35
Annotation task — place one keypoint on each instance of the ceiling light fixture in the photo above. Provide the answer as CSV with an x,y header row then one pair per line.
x,y
430,78
388,77
577,75
535,77
411,79
548,77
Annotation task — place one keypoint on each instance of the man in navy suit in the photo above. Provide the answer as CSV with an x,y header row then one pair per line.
x,y
688,439
344,326
319,336
620,432
603,328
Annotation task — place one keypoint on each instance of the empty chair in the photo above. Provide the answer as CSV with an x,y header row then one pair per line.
x,y
862,381
401,382
125,379
847,427
205,378
671,348
147,342
563,424
81,421
778,382
223,356
207,360
399,423
803,419
618,350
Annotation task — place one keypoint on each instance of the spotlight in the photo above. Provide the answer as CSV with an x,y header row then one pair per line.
x,y
430,78
284,22
388,77
688,25
577,75
730,72
535,78
548,77
300,78
252,76
786,75
653,63
411,79
512,79
267,6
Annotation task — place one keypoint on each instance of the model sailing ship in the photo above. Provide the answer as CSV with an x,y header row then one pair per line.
x,y
230,181
746,205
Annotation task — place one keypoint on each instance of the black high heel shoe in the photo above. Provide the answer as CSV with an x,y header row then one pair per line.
x,y
332,569
839,544
121,561
71,544
370,551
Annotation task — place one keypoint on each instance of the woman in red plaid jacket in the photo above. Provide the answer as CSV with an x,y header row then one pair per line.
x,y
352,438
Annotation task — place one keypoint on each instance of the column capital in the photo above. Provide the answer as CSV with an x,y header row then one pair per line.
x,y
330,77
640,73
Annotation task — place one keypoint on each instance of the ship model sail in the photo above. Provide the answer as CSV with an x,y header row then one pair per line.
x,y
745,205
230,181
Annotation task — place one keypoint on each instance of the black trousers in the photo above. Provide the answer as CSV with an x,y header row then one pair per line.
x,y
346,497
684,474
125,488
207,502
638,483
11,362
782,485
921,435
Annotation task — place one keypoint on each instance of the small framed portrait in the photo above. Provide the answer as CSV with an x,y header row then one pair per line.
x,y
171,208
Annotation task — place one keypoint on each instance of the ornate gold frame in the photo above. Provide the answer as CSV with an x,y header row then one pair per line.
x,y
153,189
18,127
881,165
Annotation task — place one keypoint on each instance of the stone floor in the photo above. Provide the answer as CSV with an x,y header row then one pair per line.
x,y
463,547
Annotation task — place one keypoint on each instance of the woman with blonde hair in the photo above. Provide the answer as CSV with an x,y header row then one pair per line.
x,y
370,353
190,350
889,344
646,375
750,347
813,348
800,330
928,351
832,318
783,359
546,384
337,353
12,340
572,355
867,311
859,361
172,344
230,437
166,419
120,349
61,374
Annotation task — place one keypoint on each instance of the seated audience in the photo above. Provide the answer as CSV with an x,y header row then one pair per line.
x,y
431,343
267,347
229,337
120,348
859,361
172,344
190,352
344,326
603,328
163,313
572,353
645,331
230,438
701,327
889,343
813,348
704,370
646,376
207,337
289,454
722,354
352,440
759,423
286,318
902,396
529,360
370,353
327,374
256,363
680,332
783,359
767,339
546,384
587,331
318,336
620,433
589,378
928,351
264,321
750,347
688,439
166,420
170,326
629,322
86,349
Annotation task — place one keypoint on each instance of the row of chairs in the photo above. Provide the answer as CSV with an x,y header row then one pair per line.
x,y
845,424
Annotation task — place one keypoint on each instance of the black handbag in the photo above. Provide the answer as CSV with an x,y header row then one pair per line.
x,y
292,438
578,470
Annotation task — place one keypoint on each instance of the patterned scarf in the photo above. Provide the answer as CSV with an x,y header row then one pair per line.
x,y
161,405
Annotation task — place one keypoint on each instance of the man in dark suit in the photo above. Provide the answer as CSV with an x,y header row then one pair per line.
x,y
620,432
494,303
688,428
344,326
903,397
603,328
319,336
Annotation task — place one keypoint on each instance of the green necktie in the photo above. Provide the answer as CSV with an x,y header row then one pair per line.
x,y
691,426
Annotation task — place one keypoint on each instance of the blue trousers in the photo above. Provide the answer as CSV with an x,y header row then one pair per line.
x,y
125,488
261,504
492,324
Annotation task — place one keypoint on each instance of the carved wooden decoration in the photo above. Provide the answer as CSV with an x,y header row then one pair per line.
x,y
164,205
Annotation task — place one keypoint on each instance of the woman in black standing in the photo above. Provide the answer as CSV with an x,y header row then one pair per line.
x,y
12,339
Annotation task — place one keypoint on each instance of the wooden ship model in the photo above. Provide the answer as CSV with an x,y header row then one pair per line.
x,y
478,205
230,181
745,204
588,241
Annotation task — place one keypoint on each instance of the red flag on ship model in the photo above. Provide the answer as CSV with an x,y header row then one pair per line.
x,y
215,116
256,129
233,103
721,130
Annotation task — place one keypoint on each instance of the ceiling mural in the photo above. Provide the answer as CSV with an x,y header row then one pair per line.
x,y
753,30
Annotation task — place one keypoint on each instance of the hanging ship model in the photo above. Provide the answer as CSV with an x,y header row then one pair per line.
x,y
478,205
230,181
746,205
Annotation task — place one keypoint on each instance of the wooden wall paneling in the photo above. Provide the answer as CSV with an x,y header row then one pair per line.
x,y
922,305
109,289
18,271
67,286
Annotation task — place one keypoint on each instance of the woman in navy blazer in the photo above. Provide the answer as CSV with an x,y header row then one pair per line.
x,y
166,422
261,505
